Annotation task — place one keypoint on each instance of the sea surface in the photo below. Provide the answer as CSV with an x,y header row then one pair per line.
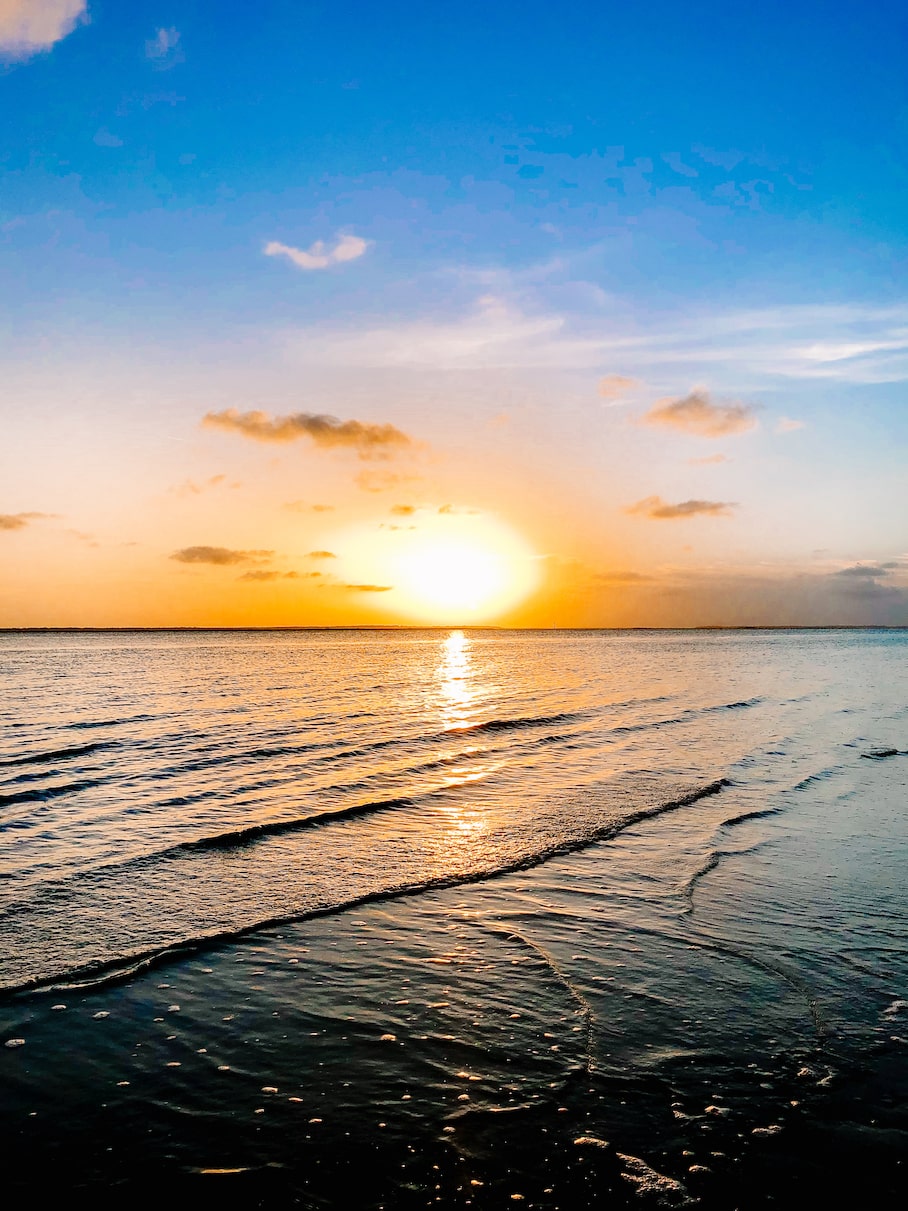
x,y
428,918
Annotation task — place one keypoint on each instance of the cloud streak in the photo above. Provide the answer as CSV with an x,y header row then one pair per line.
x,y
319,255
18,521
369,441
698,415
656,509
30,26
219,556
851,343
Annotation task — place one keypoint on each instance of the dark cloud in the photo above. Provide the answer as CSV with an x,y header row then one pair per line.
x,y
320,555
18,521
370,441
657,509
698,414
863,571
219,556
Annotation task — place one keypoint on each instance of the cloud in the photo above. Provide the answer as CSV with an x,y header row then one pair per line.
x,y
403,510
382,481
787,425
368,440
615,387
457,511
164,48
697,414
18,521
29,26
709,460
655,508
845,343
366,588
621,578
317,255
863,571
104,138
300,506
264,575
320,555
190,488
220,556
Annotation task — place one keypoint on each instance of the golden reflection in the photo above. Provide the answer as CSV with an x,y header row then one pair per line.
x,y
454,675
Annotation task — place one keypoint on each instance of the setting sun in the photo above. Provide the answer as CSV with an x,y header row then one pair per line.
x,y
446,568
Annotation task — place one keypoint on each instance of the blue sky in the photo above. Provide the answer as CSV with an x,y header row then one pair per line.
x,y
697,198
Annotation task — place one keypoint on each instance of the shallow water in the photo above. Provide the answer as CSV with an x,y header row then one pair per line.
x,y
637,889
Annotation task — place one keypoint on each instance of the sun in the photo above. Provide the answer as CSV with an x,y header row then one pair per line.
x,y
449,569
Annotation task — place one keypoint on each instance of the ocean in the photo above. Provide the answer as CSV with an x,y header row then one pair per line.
x,y
432,918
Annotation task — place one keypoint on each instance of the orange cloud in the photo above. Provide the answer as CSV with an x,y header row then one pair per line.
x,y
699,415
655,508
614,386
219,556
368,440
321,555
18,521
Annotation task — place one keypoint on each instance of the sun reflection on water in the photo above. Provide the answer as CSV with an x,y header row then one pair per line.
x,y
455,673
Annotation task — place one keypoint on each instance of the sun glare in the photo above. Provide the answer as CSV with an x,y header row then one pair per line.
x,y
450,569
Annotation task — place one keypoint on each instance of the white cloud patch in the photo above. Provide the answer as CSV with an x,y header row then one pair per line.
x,y
319,255
29,26
164,49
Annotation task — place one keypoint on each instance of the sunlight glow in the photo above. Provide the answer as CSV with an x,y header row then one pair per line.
x,y
450,569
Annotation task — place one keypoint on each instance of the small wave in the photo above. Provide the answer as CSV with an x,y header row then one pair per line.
x,y
57,754
757,814
106,972
49,792
880,754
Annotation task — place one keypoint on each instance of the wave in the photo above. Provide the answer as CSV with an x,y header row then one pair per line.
x,y
49,792
57,754
106,972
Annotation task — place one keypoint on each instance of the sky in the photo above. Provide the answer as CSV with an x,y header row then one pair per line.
x,y
587,314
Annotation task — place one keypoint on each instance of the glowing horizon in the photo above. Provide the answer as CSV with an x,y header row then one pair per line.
x,y
513,355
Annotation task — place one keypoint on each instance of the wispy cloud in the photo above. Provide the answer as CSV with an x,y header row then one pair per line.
x,y
266,575
615,387
29,26
219,556
302,506
786,425
365,588
655,508
370,441
785,341
403,510
164,48
320,555
18,521
382,481
699,415
319,255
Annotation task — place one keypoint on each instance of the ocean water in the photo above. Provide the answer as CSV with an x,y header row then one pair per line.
x,y
557,918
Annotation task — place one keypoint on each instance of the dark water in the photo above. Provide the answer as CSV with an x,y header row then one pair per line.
x,y
430,918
